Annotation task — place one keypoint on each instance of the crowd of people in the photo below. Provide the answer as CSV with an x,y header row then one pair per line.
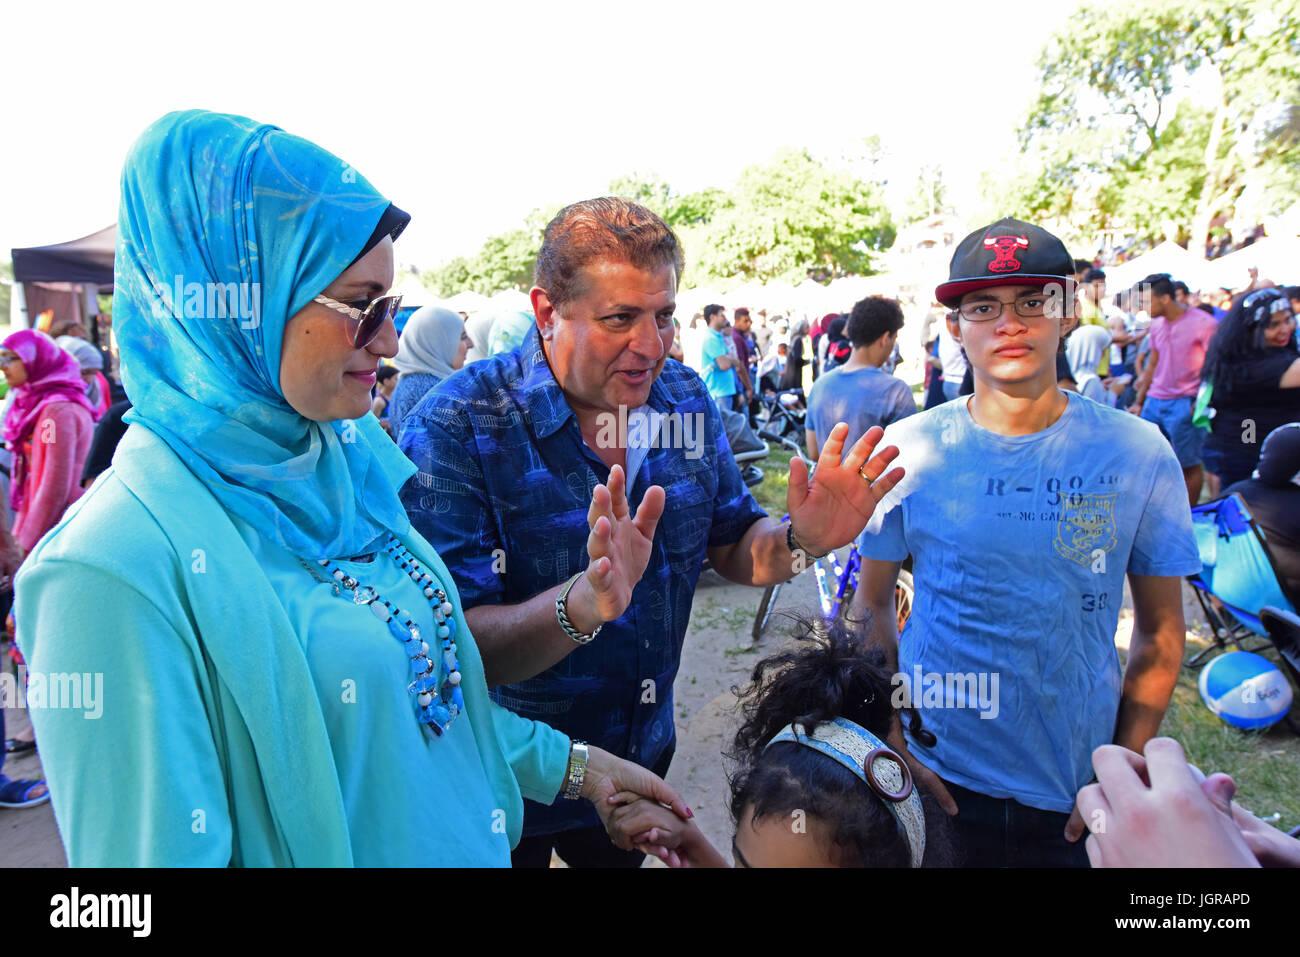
x,y
352,616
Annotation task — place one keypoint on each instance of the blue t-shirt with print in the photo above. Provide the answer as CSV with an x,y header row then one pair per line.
x,y
720,382
1020,547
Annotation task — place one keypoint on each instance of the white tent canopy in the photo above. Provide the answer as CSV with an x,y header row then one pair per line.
x,y
1169,258
509,299
466,301
413,292
1276,259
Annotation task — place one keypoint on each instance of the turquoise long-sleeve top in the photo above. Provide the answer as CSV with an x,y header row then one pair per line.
x,y
248,714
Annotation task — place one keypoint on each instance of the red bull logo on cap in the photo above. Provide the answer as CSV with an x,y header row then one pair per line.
x,y
1004,249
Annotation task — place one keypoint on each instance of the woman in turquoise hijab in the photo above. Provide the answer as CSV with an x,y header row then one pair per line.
x,y
271,666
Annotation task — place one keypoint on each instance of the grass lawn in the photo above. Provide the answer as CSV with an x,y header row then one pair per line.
x,y
1265,764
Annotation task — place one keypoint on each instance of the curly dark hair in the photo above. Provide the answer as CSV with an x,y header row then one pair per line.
x,y
1238,340
832,671
872,318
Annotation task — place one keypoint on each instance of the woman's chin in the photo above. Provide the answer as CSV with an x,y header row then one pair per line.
x,y
335,411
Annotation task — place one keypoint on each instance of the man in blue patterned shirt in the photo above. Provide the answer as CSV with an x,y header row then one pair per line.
x,y
523,487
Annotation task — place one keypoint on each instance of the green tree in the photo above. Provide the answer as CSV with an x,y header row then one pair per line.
x,y
1108,128
927,196
790,218
677,210
504,261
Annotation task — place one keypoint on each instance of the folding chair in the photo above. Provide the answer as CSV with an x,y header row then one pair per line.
x,y
1238,576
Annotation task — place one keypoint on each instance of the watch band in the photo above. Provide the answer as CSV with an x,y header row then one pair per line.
x,y
795,547
577,770
562,614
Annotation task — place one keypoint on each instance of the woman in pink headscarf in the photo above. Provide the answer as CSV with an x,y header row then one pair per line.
x,y
48,429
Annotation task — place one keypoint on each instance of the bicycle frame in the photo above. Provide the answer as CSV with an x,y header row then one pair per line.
x,y
841,575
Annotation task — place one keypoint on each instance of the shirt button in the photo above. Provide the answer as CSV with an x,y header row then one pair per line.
x,y
647,644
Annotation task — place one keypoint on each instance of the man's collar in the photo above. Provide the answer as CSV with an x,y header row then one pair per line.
x,y
543,396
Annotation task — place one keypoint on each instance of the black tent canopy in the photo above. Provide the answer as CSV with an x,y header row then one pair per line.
x,y
88,260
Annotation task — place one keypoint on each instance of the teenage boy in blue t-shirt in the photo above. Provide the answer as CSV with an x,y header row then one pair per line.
x,y
1023,508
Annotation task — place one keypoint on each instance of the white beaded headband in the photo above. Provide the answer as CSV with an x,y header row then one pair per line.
x,y
857,749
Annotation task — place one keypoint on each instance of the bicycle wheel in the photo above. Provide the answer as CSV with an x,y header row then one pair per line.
x,y
764,614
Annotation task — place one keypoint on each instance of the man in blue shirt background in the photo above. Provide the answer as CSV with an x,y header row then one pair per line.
x,y
718,359
574,487
860,392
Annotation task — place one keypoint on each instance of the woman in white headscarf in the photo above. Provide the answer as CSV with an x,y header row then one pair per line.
x,y
1084,348
92,370
432,347
478,327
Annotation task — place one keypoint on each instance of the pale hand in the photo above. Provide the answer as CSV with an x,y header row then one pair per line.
x,y
832,510
657,831
608,776
619,550
1154,813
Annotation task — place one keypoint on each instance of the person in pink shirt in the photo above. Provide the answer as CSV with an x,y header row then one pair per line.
x,y
1166,392
48,429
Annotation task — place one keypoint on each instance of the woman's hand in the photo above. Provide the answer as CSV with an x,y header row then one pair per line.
x,y
654,829
608,775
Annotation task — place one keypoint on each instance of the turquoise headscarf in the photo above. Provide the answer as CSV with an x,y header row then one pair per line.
x,y
227,228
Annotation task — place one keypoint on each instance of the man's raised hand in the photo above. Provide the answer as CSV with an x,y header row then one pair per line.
x,y
618,548
832,509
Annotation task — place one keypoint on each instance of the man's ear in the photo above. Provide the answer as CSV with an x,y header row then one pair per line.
x,y
544,311
953,319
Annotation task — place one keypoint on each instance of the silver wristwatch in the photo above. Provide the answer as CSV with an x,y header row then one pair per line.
x,y
577,771
562,613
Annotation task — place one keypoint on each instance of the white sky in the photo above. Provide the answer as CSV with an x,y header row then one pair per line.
x,y
469,116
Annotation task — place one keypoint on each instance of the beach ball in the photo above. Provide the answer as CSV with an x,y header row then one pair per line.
x,y
1245,690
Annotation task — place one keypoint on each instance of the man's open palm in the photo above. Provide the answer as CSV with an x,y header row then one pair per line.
x,y
832,510
619,543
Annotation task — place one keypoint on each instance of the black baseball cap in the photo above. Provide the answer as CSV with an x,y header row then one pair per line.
x,y
1006,253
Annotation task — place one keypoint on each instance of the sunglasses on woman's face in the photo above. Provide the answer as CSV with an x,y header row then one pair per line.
x,y
364,324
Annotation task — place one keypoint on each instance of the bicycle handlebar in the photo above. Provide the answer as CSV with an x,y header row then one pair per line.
x,y
785,443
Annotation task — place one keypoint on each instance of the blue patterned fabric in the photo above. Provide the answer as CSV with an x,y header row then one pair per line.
x,y
502,490
411,388
227,228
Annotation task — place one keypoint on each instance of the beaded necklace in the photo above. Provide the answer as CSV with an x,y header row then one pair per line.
x,y
438,702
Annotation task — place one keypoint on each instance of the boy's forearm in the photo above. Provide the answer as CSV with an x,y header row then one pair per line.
x,y
1149,681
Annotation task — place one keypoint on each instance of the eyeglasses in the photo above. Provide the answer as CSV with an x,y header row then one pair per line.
x,y
6,360
1032,306
364,324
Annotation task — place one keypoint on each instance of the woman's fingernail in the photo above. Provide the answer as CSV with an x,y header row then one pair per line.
x,y
689,812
